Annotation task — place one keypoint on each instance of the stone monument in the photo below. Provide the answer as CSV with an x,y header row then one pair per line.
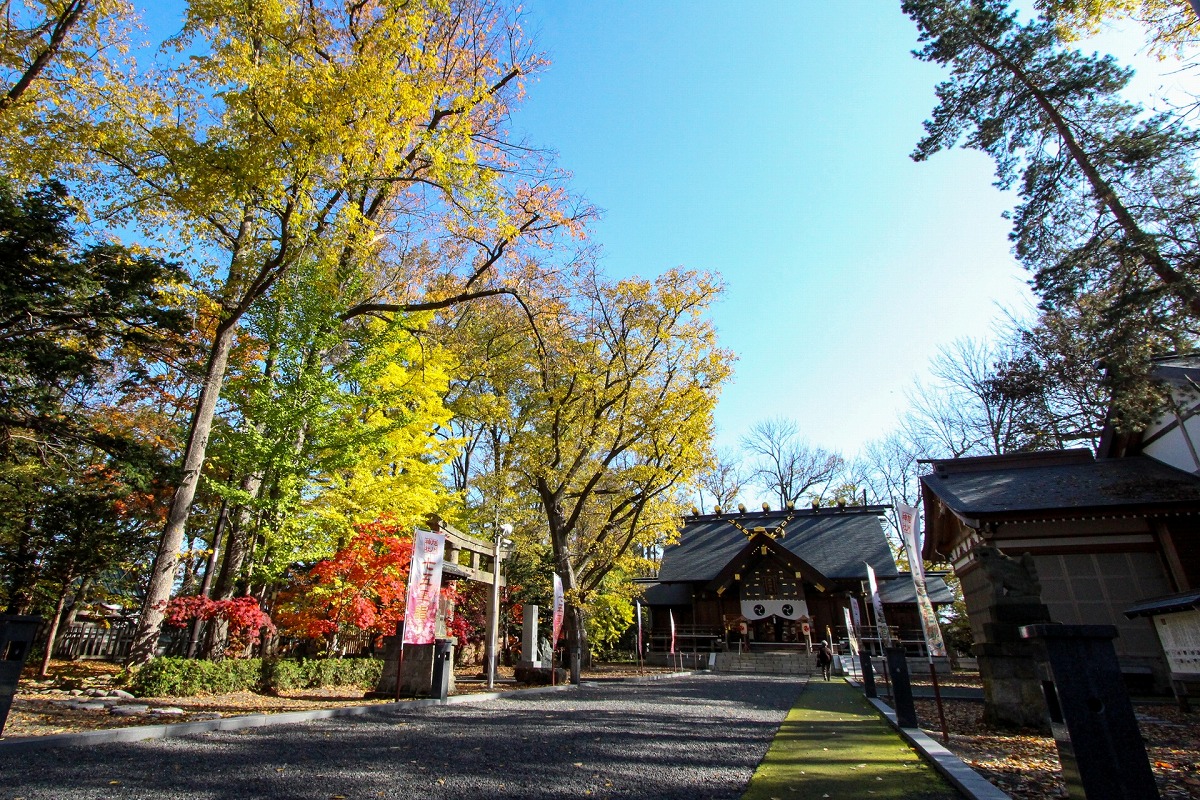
x,y
416,677
536,655
1003,594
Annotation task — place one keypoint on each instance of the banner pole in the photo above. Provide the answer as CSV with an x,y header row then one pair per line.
x,y
400,661
937,696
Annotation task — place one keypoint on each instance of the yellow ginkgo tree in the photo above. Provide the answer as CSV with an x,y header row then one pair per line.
x,y
595,416
367,139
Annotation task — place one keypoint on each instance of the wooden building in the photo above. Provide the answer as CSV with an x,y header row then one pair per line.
x,y
1105,533
762,578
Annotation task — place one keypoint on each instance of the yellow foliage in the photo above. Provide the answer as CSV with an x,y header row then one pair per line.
x,y
1173,26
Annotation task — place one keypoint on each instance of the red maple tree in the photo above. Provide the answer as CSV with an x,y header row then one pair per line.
x,y
360,588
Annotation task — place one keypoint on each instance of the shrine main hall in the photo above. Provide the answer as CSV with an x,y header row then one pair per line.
x,y
763,579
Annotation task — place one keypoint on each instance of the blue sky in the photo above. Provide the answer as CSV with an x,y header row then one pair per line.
x,y
771,145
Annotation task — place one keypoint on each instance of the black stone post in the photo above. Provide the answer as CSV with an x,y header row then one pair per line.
x,y
16,640
576,661
868,673
1099,744
906,712
443,667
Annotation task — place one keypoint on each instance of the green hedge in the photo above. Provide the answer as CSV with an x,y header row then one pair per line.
x,y
184,677
282,674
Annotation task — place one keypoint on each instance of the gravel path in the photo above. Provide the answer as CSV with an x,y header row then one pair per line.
x,y
697,738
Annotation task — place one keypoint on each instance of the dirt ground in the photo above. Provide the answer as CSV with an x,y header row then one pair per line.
x,y
1025,764
41,708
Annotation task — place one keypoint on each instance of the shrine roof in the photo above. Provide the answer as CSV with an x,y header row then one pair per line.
x,y
836,542
901,590
1171,604
1068,481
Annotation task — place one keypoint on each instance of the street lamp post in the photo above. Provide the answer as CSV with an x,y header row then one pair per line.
x,y
498,541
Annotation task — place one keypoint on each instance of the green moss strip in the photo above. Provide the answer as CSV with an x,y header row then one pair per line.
x,y
833,744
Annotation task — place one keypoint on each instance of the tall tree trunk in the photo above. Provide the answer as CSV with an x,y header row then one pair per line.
x,y
576,631
24,572
77,601
190,567
209,568
52,636
1143,244
237,551
166,561
214,554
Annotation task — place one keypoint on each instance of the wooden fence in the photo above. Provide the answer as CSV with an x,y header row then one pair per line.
x,y
94,641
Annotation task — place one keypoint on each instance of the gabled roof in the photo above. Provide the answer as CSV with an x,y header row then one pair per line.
x,y
760,546
834,542
1056,484
1059,485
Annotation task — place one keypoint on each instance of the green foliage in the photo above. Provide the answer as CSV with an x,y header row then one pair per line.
x,y
1109,195
70,316
607,618
956,628
81,458
280,675
184,677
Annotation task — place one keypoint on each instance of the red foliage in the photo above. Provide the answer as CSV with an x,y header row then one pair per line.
x,y
245,619
362,586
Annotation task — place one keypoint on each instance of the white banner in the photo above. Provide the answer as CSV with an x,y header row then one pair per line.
x,y
671,616
885,635
910,533
906,517
424,587
637,605
788,609
851,633
556,620
855,613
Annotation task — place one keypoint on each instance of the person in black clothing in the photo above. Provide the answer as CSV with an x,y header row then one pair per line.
x,y
825,658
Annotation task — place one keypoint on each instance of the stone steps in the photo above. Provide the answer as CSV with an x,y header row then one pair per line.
x,y
765,663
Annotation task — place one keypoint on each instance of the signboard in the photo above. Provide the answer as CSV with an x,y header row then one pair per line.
x,y
424,588
909,532
885,635
1180,637
787,609
559,609
851,632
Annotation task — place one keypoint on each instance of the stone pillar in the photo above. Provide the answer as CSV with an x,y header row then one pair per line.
x,y
416,676
1002,594
868,673
1099,743
902,696
16,642
530,657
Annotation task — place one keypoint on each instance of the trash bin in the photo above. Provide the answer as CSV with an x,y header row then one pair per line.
x,y
16,640
443,668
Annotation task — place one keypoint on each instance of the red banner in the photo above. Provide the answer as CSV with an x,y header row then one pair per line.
x,y
424,588
559,608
